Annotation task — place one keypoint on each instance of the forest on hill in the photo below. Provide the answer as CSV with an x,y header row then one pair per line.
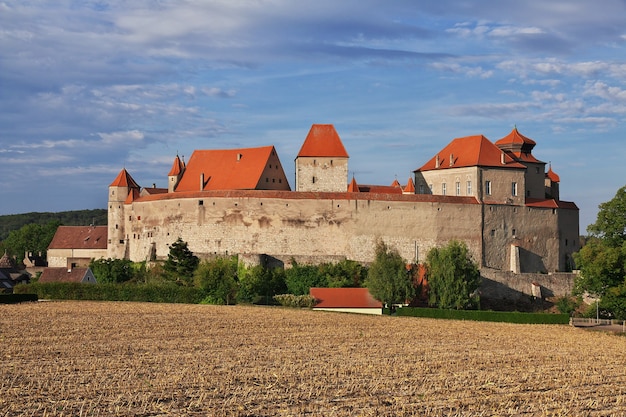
x,y
10,222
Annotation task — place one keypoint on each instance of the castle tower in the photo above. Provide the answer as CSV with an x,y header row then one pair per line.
x,y
552,184
178,167
122,188
322,163
519,147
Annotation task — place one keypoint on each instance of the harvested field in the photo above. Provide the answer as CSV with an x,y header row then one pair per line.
x,y
140,359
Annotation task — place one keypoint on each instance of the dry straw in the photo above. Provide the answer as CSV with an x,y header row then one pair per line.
x,y
140,359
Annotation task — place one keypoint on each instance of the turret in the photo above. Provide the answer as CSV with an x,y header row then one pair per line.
x,y
178,167
322,163
120,189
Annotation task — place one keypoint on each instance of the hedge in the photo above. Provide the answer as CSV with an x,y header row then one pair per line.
x,y
479,315
164,293
17,298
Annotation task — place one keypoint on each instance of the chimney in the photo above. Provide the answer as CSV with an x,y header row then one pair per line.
x,y
502,158
437,162
202,181
239,156
451,159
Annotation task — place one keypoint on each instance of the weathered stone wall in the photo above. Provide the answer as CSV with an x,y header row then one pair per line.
x,y
321,174
507,285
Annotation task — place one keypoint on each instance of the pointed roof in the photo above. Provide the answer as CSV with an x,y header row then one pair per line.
x,y
231,169
177,167
552,175
344,298
518,146
470,151
124,179
410,187
353,187
323,141
6,262
79,237
396,183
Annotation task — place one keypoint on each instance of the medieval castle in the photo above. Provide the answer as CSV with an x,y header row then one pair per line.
x,y
496,197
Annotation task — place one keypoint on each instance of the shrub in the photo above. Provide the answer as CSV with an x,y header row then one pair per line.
x,y
297,301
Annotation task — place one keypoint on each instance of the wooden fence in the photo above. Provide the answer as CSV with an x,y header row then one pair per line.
x,y
599,324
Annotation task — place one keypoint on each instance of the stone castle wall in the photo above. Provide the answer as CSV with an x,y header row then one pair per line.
x,y
331,226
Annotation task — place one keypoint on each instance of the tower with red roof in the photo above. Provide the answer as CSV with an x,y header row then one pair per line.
x,y
322,163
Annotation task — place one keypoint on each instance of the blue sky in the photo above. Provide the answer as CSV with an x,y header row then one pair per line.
x,y
90,87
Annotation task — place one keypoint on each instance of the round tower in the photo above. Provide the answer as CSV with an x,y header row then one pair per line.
x,y
119,191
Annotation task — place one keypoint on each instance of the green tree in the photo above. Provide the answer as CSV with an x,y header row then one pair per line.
x,y
610,226
453,277
181,263
218,278
602,260
388,279
30,238
259,285
301,278
112,270
601,267
346,273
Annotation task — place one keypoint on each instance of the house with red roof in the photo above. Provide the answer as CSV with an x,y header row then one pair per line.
x,y
76,246
346,300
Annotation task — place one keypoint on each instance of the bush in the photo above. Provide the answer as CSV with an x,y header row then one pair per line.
x,y
167,293
475,315
217,278
567,305
296,301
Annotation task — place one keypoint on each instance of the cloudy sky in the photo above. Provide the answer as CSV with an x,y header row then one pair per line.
x,y
90,87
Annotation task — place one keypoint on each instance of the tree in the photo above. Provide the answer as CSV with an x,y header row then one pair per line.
x,y
342,274
259,285
610,226
112,270
453,277
387,278
602,260
181,263
30,238
218,278
301,278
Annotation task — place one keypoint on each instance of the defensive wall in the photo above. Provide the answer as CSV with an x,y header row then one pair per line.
x,y
322,226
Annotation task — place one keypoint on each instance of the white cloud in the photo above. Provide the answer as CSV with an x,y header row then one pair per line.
x,y
122,137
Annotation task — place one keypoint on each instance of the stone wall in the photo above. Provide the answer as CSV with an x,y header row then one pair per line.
x,y
505,285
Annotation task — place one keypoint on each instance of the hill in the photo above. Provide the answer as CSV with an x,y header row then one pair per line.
x,y
11,222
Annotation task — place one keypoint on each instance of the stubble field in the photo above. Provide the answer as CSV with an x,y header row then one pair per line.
x,y
141,359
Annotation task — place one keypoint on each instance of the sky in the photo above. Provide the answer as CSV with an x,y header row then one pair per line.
x,y
90,87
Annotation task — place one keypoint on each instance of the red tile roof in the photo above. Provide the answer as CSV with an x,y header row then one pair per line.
x,y
515,137
79,237
323,141
353,187
396,183
63,275
232,169
552,175
124,179
550,203
344,298
177,167
470,151
410,187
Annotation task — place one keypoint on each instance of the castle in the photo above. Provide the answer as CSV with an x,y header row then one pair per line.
x,y
496,197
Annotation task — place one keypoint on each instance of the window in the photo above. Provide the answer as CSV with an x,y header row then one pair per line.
x,y
421,188
313,180
514,189
488,187
443,189
469,188
200,202
458,188
536,170
430,186
513,232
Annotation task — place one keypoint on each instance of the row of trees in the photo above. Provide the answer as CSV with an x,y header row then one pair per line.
x,y
453,276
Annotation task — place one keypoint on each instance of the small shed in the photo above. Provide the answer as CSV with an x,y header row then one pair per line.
x,y
346,300
81,275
